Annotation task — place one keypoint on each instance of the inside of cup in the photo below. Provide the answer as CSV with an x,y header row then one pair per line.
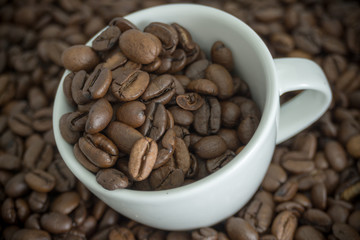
x,y
206,25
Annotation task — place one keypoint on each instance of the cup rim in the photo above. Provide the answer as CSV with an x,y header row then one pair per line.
x,y
271,102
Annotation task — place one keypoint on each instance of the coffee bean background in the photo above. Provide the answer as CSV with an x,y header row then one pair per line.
x,y
311,190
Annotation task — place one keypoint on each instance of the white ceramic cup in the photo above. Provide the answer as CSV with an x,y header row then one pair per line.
x,y
224,192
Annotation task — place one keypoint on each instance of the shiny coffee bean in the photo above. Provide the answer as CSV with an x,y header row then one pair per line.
x,y
65,203
238,228
99,149
106,39
210,147
160,90
215,164
55,222
79,57
111,179
40,180
222,78
140,47
181,117
166,177
284,225
130,84
132,113
65,180
207,118
142,158
222,55
123,141
190,101
98,83
156,121
100,115
167,35
203,86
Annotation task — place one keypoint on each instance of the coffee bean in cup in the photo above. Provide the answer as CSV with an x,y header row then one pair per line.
x,y
149,108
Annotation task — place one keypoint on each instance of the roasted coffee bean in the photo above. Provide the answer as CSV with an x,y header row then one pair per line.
x,y
307,232
77,85
122,23
287,191
178,61
238,228
284,225
204,233
156,121
65,180
115,61
336,155
9,162
185,39
106,39
296,208
99,149
210,147
126,139
79,57
247,128
207,118
8,212
166,177
42,120
166,149
83,160
40,181
132,113
38,202
230,114
203,86
98,83
65,203
167,35
142,158
139,46
344,231
160,90
181,117
38,154
99,116
215,164
230,137
76,121
55,222
274,178
318,219
259,213
16,186
298,166
222,55
31,234
353,146
196,70
319,195
190,101
222,78
130,84
21,124
308,39
111,179
338,213
181,155
22,208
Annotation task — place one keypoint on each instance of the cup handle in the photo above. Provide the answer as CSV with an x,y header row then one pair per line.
x,y
308,106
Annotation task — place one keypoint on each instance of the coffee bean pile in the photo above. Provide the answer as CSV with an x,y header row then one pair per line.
x,y
311,190
153,112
